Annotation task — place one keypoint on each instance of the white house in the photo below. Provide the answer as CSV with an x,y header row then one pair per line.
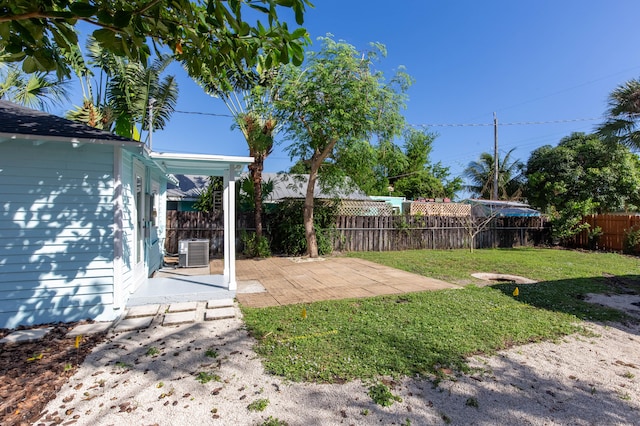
x,y
82,218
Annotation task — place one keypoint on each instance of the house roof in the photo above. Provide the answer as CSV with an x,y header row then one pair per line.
x,y
16,120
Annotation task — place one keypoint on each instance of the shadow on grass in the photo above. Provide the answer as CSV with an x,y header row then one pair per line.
x,y
569,296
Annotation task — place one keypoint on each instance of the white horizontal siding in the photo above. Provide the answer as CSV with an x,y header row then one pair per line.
x,y
42,292
57,278
56,232
128,223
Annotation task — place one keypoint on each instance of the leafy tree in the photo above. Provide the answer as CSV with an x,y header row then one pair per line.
x,y
205,201
246,197
337,100
288,231
357,160
390,169
481,177
582,175
208,35
37,90
420,178
136,91
391,161
623,115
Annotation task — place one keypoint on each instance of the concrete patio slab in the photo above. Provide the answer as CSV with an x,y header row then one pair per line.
x,y
281,281
258,300
22,336
290,281
174,287
250,286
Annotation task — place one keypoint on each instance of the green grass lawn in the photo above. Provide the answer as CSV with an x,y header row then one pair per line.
x,y
427,333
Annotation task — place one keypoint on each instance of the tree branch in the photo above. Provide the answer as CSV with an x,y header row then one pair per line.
x,y
147,7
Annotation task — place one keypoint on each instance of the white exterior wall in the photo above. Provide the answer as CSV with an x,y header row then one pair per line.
x,y
128,223
56,232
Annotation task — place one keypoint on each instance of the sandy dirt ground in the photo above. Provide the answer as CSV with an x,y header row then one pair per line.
x,y
150,377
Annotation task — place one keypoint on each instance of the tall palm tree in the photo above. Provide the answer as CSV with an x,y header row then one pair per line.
x,y
37,90
623,115
120,97
134,89
480,174
248,95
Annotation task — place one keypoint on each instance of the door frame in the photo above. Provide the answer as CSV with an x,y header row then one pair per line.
x,y
140,225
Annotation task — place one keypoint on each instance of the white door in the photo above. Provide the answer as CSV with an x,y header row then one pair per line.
x,y
139,180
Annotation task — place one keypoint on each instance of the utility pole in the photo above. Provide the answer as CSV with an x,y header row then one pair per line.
x,y
152,101
494,193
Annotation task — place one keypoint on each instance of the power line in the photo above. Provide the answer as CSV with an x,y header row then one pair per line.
x,y
516,123
203,113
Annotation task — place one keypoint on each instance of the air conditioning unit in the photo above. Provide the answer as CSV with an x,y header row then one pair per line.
x,y
193,253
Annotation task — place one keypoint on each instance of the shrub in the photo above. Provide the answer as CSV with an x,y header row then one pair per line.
x,y
594,237
631,240
254,246
286,227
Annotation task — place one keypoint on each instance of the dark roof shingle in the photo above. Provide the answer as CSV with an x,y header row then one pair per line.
x,y
16,119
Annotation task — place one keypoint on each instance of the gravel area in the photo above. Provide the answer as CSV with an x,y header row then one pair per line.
x,y
150,377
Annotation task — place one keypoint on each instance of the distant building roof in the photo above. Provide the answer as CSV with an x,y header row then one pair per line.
x,y
295,186
504,208
285,186
189,188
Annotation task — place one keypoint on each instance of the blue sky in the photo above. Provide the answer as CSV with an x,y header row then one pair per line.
x,y
528,61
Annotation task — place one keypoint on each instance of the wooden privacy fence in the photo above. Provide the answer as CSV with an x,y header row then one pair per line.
x,y
614,229
188,225
366,233
373,233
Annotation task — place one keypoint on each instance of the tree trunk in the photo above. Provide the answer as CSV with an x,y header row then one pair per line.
x,y
309,230
256,176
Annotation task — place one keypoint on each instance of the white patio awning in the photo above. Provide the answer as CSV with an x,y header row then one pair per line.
x,y
229,167
198,164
